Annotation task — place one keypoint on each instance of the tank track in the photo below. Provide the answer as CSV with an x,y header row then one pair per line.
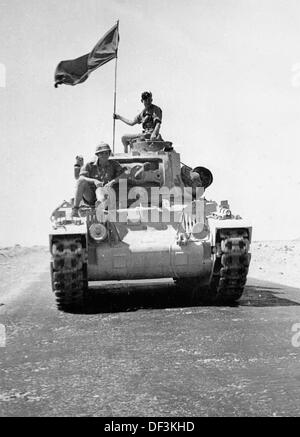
x,y
69,272
230,269
231,265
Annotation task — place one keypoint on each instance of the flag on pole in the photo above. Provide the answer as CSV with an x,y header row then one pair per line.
x,y
76,71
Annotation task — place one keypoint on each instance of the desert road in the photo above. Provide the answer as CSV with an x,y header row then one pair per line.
x,y
144,350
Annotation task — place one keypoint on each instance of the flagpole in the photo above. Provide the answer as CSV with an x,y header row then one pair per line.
x,y
115,95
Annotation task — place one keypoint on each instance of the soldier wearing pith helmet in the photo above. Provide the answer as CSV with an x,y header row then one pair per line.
x,y
100,172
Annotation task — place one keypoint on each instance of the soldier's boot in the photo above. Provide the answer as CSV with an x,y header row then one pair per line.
x,y
75,212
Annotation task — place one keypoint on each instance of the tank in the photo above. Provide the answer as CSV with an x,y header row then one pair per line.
x,y
156,223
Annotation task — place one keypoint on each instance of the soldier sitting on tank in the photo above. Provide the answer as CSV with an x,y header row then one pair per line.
x,y
150,118
100,172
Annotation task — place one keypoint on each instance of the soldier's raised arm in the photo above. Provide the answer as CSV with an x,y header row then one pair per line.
x,y
125,120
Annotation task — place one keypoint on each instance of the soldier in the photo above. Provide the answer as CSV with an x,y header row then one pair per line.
x,y
150,118
98,173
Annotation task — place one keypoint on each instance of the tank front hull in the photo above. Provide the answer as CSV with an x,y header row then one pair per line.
x,y
146,261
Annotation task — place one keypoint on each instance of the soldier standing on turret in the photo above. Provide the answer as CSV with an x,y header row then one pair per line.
x,y
150,118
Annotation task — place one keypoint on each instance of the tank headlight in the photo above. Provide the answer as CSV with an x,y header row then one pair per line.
x,y
98,232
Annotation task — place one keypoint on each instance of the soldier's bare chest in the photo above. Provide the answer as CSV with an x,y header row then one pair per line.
x,y
102,172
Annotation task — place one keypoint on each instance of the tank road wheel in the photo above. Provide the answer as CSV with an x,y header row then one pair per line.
x,y
231,266
69,272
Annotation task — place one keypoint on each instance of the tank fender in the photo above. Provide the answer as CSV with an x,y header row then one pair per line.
x,y
215,225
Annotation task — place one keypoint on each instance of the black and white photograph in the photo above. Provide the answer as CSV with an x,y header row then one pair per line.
x,y
149,211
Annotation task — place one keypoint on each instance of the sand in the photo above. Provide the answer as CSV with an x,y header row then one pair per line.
x,y
20,266
276,261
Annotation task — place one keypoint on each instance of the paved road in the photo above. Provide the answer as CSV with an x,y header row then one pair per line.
x,y
143,350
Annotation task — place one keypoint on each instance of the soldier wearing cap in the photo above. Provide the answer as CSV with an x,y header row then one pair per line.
x,y
99,172
150,119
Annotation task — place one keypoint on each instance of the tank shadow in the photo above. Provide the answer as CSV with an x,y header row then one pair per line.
x,y
129,297
258,296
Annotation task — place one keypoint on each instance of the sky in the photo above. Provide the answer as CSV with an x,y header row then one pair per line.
x,y
225,72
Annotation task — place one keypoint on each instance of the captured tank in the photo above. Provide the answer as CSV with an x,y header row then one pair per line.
x,y
156,223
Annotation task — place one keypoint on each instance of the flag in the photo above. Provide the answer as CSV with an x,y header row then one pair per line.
x,y
76,71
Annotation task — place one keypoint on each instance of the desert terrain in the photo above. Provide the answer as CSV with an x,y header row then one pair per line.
x,y
276,261
145,350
